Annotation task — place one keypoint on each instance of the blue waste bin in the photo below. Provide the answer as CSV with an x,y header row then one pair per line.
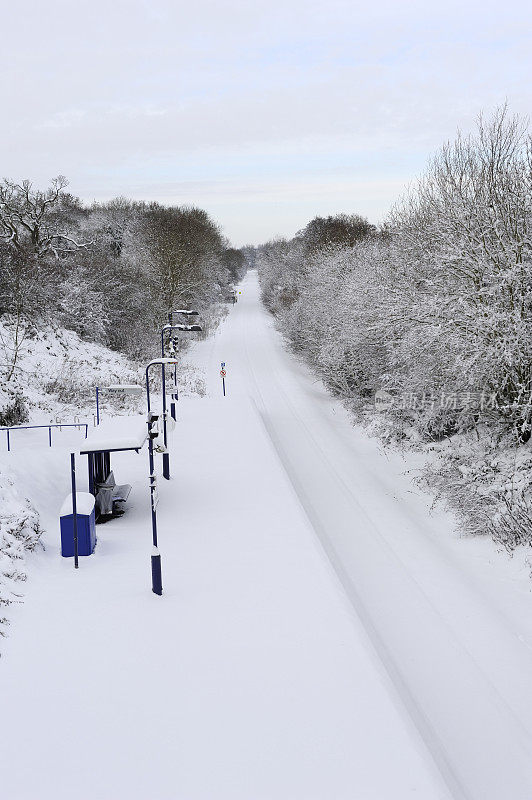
x,y
86,525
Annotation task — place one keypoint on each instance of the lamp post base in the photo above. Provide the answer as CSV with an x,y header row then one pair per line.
x,y
156,573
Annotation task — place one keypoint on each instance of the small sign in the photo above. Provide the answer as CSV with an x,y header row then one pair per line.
x,y
223,373
123,389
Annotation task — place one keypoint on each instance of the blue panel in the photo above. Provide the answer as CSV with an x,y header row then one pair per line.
x,y
86,534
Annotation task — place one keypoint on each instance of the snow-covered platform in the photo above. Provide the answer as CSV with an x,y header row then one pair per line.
x,y
320,634
251,662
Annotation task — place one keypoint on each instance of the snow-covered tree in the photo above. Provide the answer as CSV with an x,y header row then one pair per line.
x,y
42,221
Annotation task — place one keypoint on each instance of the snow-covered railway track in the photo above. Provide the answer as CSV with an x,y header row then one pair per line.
x,y
461,674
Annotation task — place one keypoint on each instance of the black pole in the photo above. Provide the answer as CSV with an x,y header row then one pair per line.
x,y
74,507
166,455
156,571
223,384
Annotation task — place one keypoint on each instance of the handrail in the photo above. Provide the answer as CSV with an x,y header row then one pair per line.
x,y
78,425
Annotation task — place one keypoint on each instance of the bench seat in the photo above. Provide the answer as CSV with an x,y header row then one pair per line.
x,y
121,493
109,495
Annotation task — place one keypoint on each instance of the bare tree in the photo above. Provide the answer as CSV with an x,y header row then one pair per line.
x,y
30,216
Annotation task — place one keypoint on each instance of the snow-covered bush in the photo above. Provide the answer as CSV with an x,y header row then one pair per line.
x,y
436,309
511,525
13,409
330,306
485,477
82,308
19,534
463,240
439,302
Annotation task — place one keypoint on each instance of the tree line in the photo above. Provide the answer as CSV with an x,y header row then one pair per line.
x,y
109,271
433,310
436,301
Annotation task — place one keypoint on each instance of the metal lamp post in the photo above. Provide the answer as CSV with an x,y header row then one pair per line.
x,y
168,329
166,456
186,313
184,329
183,311
156,571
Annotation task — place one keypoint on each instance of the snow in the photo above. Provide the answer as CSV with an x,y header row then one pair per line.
x,y
57,372
128,388
117,433
19,534
84,504
251,661
321,635
167,361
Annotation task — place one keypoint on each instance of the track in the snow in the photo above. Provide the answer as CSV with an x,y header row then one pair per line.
x,y
441,644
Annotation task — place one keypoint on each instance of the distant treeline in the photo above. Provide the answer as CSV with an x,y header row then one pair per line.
x,y
110,271
432,315
436,306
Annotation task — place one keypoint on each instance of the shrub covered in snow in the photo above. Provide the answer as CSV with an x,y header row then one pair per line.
x,y
436,309
13,409
19,534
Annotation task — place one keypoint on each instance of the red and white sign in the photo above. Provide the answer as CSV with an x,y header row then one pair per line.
x,y
223,373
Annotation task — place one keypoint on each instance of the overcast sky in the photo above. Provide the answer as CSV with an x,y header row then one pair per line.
x,y
264,113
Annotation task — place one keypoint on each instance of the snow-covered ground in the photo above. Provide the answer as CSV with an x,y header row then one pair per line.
x,y
56,372
321,633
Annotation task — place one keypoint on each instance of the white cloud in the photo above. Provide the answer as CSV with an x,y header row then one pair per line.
x,y
219,99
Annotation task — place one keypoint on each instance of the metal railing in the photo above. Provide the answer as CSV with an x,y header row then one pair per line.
x,y
77,425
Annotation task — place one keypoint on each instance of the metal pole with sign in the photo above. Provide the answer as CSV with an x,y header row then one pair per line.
x,y
166,455
74,508
118,388
184,329
223,373
156,569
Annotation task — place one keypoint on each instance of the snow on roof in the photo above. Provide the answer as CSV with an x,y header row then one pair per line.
x,y
84,504
117,433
